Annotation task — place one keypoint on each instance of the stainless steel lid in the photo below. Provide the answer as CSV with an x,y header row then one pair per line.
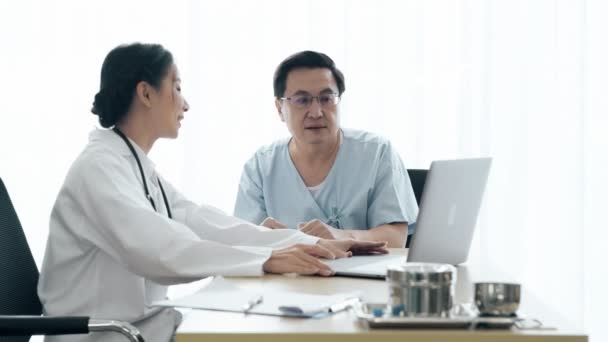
x,y
416,274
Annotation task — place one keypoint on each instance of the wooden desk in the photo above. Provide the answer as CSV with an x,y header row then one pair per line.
x,y
210,326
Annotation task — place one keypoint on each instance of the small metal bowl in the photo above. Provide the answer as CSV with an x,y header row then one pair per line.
x,y
497,299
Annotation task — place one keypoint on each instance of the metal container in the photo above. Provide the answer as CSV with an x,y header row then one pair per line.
x,y
420,289
497,299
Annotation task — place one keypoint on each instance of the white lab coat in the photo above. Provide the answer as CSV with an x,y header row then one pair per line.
x,y
109,254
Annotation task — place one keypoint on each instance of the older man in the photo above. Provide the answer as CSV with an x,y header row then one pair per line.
x,y
324,180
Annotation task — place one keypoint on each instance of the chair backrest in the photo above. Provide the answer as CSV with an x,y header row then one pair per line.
x,y
18,271
417,178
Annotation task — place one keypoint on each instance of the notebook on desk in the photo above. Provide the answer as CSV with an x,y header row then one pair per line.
x,y
365,266
449,207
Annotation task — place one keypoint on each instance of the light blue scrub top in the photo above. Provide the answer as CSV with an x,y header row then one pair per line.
x,y
367,186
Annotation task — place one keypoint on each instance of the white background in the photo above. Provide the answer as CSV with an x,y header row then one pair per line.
x,y
522,81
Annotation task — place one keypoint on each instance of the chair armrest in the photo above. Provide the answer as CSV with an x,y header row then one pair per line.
x,y
124,328
64,325
38,325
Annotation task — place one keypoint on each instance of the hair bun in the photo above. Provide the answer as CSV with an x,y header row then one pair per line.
x,y
101,108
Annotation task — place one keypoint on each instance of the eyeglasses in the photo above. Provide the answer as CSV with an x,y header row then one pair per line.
x,y
305,101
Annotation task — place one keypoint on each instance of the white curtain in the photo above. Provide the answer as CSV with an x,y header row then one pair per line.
x,y
522,81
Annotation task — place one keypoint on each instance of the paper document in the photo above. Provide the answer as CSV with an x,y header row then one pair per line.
x,y
223,295
365,260
368,266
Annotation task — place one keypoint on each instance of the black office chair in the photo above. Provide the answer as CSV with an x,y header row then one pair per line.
x,y
20,307
417,178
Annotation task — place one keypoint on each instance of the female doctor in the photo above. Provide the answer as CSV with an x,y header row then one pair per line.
x,y
120,233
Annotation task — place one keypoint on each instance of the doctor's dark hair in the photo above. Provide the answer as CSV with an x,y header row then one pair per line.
x,y
306,60
123,68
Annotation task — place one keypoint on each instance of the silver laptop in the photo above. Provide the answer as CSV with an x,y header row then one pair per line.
x,y
446,220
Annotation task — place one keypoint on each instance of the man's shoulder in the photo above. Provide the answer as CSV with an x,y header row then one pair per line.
x,y
269,150
268,154
364,140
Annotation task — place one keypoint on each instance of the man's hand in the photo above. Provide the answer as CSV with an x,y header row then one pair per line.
x,y
317,228
354,247
301,259
271,223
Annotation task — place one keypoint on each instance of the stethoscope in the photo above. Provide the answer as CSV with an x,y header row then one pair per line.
x,y
143,175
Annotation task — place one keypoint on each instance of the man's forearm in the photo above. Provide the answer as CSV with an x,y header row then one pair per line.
x,y
395,234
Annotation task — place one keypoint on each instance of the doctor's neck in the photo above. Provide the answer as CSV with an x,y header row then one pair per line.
x,y
136,129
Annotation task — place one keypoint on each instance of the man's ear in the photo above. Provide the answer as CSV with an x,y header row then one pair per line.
x,y
278,104
142,91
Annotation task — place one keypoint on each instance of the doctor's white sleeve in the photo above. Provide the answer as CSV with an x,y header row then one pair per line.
x,y
211,223
117,218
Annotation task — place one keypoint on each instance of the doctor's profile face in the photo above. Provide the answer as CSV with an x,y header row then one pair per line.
x,y
309,106
168,105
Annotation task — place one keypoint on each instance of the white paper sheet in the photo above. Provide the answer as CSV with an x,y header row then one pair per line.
x,y
223,295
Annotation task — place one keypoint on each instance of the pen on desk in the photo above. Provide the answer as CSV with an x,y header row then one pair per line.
x,y
252,303
343,305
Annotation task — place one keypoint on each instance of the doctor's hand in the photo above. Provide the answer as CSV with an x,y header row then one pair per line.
x,y
318,228
301,259
355,247
271,223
